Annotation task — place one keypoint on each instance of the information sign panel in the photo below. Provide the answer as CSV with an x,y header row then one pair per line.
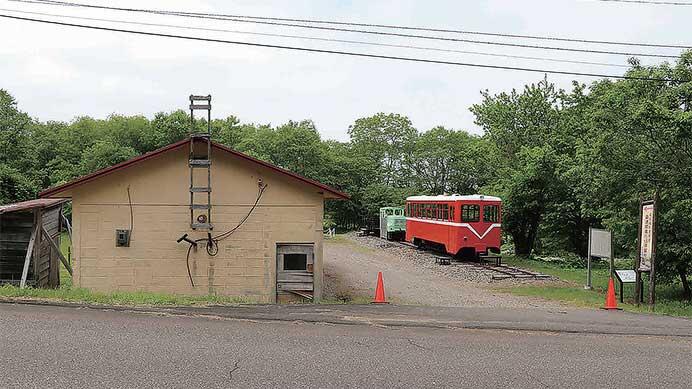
x,y
626,276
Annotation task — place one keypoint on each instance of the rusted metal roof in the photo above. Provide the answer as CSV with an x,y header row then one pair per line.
x,y
29,205
89,177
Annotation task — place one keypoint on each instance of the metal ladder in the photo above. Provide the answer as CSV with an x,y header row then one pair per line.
x,y
200,158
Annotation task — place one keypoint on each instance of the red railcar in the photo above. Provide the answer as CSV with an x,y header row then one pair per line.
x,y
464,226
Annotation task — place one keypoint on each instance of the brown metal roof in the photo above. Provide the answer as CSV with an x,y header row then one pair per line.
x,y
29,205
89,177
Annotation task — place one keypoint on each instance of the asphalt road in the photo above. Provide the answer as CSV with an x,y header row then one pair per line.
x,y
43,346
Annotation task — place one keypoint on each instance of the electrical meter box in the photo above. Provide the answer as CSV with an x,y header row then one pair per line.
x,y
122,238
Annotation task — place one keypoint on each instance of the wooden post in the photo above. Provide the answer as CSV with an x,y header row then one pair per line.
x,y
637,263
654,237
38,222
57,249
27,259
612,259
589,285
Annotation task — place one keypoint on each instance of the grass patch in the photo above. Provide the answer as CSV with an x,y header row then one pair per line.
x,y
82,295
570,288
337,239
65,277
345,240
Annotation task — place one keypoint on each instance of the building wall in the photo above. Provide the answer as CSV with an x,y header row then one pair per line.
x,y
289,212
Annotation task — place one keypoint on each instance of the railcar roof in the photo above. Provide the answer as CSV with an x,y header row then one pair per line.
x,y
476,197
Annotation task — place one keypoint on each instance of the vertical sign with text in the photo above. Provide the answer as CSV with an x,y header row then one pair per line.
x,y
646,240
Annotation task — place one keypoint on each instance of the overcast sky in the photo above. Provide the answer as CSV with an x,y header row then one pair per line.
x,y
57,73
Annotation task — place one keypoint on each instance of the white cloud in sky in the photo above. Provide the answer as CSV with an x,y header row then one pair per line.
x,y
57,73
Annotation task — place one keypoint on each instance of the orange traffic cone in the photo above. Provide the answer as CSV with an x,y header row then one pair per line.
x,y
379,292
611,302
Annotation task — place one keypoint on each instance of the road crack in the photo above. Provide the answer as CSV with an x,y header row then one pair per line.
x,y
417,345
235,367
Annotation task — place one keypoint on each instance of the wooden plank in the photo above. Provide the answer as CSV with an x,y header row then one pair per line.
x,y
27,259
38,222
57,249
294,286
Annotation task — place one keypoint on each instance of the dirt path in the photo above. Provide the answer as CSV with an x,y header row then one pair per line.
x,y
351,266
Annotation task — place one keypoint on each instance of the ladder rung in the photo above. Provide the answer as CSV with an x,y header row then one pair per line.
x,y
200,162
201,189
200,98
203,135
200,106
207,226
200,206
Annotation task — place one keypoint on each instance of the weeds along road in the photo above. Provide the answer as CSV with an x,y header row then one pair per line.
x,y
411,277
42,346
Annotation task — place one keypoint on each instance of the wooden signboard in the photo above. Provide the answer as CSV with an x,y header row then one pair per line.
x,y
646,237
646,249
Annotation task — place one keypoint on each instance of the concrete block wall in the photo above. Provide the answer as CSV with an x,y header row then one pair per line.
x,y
289,212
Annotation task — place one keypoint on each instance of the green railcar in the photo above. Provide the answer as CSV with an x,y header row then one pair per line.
x,y
392,223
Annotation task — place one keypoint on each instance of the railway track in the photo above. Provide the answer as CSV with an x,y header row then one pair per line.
x,y
499,272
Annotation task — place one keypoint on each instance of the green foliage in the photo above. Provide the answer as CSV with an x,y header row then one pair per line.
x,y
14,186
103,154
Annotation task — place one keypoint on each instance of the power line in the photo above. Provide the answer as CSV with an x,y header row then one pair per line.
x,y
349,53
428,37
321,39
646,2
393,26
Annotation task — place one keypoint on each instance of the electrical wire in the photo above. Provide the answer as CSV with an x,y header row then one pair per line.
x,y
428,37
389,26
230,232
324,39
212,246
339,52
187,261
132,215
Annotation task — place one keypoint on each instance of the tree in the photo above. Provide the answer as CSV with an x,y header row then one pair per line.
x,y
520,127
447,161
387,140
103,154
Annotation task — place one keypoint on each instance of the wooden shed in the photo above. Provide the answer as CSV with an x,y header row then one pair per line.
x,y
30,243
176,220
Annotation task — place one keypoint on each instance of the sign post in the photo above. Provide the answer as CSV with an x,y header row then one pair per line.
x,y
646,249
600,246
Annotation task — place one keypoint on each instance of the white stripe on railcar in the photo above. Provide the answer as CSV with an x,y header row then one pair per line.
x,y
455,224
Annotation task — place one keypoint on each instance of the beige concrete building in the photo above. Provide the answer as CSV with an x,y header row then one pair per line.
x,y
127,219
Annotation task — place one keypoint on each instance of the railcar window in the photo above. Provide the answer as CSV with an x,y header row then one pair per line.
x,y
490,213
445,212
470,213
451,213
434,211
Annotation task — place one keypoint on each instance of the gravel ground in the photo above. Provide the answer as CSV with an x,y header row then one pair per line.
x,y
412,276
